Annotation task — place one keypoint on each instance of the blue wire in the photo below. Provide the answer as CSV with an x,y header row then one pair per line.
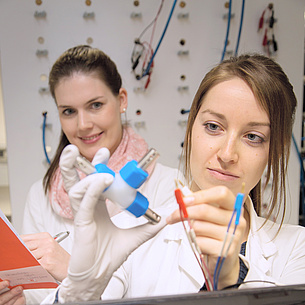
x,y
240,26
217,269
237,210
228,30
43,136
183,111
159,43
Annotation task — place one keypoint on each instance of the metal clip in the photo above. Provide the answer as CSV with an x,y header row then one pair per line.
x,y
88,15
41,53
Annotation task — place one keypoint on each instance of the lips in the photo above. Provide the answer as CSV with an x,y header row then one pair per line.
x,y
91,139
224,172
222,175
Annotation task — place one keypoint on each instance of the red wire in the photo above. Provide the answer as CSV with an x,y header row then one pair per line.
x,y
153,32
184,216
261,21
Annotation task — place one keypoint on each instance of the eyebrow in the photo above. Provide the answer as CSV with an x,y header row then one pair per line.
x,y
259,124
221,116
88,102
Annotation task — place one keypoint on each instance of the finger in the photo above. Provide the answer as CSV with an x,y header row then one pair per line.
x,y
209,230
142,233
219,196
20,300
11,296
89,191
46,249
37,240
102,156
66,163
3,285
35,236
205,213
210,214
9,300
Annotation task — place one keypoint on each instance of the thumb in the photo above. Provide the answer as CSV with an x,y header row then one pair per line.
x,y
102,156
67,168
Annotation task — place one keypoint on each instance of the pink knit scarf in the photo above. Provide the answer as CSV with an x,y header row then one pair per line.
x,y
132,147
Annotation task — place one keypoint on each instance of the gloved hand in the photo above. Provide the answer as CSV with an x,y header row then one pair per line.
x,y
69,173
99,246
66,163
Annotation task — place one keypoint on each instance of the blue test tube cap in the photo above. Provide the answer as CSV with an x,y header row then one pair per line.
x,y
133,175
139,205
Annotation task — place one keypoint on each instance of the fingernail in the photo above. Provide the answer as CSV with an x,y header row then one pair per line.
x,y
18,289
188,200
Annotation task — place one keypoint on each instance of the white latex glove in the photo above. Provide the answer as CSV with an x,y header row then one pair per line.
x,y
99,247
67,166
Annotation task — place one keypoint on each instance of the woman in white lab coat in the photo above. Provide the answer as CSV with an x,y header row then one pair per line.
x,y
240,123
91,101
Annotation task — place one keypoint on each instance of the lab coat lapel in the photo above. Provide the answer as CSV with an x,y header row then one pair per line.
x,y
260,249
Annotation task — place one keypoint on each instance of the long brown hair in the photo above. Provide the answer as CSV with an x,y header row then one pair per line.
x,y
271,87
86,60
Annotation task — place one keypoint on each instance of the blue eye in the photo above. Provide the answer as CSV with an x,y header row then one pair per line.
x,y
212,127
255,138
68,111
96,105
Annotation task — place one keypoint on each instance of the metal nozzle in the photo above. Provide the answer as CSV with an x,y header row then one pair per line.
x,y
84,165
152,216
151,156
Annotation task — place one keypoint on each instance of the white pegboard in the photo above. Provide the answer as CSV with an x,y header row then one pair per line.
x,y
113,30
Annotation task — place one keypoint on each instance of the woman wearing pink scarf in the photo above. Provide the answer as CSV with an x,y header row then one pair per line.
x,y
87,89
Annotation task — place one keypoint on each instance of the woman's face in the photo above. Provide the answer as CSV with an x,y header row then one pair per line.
x,y
230,140
90,115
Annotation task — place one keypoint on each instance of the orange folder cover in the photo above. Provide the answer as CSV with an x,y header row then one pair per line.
x,y
17,263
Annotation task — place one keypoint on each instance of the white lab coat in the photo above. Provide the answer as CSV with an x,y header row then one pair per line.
x,y
40,217
166,265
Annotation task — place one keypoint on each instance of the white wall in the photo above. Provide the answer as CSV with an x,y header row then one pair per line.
x,y
3,163
114,31
2,125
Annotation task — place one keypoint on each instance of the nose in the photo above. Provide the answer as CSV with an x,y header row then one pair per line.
x,y
84,120
228,150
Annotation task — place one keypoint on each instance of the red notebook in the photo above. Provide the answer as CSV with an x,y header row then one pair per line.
x,y
17,263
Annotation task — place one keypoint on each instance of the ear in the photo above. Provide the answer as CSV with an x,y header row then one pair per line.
x,y
123,100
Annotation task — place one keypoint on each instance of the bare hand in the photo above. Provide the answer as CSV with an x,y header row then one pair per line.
x,y
49,253
14,296
210,212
